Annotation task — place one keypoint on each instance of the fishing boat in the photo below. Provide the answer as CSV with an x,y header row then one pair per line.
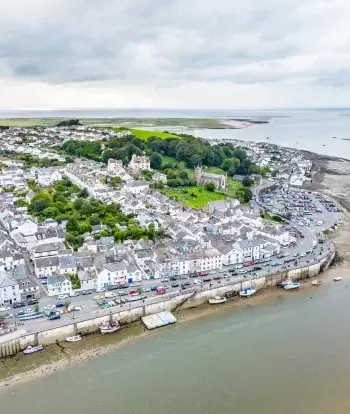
x,y
292,285
246,293
284,282
217,299
32,349
106,328
316,282
75,338
337,279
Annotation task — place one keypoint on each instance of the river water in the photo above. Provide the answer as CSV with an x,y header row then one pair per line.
x,y
288,355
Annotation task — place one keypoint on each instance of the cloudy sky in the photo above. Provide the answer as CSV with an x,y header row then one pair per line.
x,y
174,53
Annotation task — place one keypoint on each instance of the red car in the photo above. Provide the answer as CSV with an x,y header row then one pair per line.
x,y
247,264
217,277
203,274
132,292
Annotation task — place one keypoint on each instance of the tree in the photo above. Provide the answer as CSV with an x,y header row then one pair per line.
x,y
156,161
194,161
183,175
246,182
83,193
72,225
230,163
36,308
39,205
94,220
210,187
67,303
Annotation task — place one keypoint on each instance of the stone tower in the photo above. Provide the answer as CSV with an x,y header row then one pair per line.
x,y
197,174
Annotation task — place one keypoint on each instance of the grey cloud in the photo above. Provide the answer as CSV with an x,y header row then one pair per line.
x,y
152,41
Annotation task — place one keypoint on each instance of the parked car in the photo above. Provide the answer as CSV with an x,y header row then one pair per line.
x,y
99,290
275,264
165,280
47,307
73,294
60,297
201,274
33,302
122,293
133,292
135,284
86,292
161,291
247,264
59,305
217,277
303,254
173,278
154,288
98,297
242,271
207,279
8,316
4,308
110,295
18,305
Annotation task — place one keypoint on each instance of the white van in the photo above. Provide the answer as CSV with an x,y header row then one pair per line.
x,y
73,294
110,295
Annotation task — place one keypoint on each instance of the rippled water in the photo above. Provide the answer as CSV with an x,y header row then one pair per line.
x,y
285,356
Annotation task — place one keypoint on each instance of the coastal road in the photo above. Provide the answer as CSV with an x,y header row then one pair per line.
x,y
91,309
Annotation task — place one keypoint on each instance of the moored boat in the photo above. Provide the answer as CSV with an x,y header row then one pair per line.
x,y
284,282
337,279
316,282
246,293
106,327
75,338
217,299
32,349
292,285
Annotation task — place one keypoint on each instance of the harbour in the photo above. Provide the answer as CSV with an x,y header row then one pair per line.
x,y
242,360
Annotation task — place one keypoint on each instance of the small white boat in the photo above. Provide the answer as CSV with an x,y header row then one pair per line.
x,y
31,349
106,328
316,282
75,338
217,299
292,285
337,279
246,293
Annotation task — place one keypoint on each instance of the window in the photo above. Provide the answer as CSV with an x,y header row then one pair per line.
x,y
23,283
28,283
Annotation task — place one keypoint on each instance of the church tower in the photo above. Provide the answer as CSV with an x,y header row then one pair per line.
x,y
198,174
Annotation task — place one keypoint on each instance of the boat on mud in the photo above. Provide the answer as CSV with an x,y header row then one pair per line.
x,y
32,349
316,282
217,300
246,293
337,279
292,285
75,338
106,327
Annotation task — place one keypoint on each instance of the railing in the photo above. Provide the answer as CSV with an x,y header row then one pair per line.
x,y
190,291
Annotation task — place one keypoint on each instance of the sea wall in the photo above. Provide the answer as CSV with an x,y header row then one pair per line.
x,y
12,345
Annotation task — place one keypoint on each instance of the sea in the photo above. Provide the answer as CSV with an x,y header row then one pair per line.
x,y
286,355
321,130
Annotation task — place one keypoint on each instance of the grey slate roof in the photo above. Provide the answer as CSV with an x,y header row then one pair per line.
x,y
67,262
6,281
46,262
54,279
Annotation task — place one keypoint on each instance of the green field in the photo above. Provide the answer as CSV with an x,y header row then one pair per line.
x,y
144,135
195,197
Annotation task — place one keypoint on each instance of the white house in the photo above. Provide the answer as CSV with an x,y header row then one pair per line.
x,y
59,285
114,166
112,274
159,177
46,266
47,177
67,264
9,290
136,187
139,163
249,248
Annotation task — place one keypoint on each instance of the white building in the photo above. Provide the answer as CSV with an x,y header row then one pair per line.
x,y
112,274
139,163
159,177
9,290
114,166
136,187
59,285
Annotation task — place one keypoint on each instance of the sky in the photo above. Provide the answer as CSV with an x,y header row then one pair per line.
x,y
201,54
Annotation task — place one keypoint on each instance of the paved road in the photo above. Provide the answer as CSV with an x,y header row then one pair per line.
x,y
90,308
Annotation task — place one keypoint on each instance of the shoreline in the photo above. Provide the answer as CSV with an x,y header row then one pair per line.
x,y
57,357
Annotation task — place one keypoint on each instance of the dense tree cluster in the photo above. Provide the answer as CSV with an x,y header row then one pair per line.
x,y
69,122
88,149
67,202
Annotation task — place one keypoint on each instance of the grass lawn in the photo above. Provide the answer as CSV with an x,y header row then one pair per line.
x,y
144,135
195,197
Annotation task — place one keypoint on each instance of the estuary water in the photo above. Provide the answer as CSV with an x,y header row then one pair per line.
x,y
287,355
307,129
